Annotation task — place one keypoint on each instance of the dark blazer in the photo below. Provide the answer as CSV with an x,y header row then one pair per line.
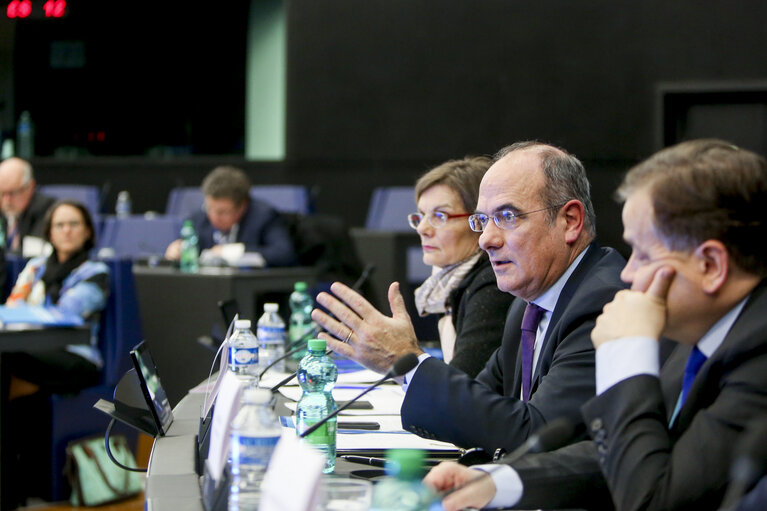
x,y
444,403
645,464
261,230
32,221
478,308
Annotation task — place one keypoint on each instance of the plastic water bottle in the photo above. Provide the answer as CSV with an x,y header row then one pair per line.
x,y
123,205
189,250
317,374
301,328
270,331
255,433
25,136
2,236
243,351
402,490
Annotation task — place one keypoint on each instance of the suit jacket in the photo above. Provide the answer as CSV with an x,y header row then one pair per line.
x,y
444,403
478,308
261,230
31,221
646,464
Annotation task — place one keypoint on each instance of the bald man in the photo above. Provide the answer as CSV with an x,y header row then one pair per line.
x,y
23,209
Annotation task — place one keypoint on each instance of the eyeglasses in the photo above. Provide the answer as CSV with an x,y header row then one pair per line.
x,y
59,226
504,219
15,192
436,218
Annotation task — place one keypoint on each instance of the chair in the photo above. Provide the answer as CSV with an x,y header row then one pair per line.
x,y
389,206
388,211
285,198
89,195
73,416
185,200
138,236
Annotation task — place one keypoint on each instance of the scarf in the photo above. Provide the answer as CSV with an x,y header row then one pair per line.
x,y
433,296
56,272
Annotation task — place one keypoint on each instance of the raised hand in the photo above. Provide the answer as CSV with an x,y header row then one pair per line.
x,y
360,332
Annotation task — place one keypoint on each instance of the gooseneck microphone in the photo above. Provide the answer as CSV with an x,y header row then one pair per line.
x,y
553,435
400,368
748,466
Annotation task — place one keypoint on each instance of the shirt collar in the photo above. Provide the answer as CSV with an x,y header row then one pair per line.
x,y
714,338
548,300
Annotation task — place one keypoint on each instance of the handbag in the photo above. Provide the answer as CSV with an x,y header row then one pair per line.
x,y
94,478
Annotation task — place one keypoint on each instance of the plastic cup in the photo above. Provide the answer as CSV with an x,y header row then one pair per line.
x,y
338,494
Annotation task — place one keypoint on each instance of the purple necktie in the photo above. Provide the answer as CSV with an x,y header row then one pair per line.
x,y
530,320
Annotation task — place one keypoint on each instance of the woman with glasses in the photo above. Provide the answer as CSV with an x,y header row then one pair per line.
x,y
66,281
462,286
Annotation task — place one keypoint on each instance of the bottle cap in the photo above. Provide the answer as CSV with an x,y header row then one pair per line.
x,y
405,463
317,345
242,323
271,307
300,286
256,396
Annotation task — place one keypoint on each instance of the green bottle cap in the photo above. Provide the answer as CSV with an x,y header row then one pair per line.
x,y
317,345
406,464
300,286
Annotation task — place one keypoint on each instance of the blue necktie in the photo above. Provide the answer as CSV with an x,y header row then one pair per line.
x,y
530,320
694,363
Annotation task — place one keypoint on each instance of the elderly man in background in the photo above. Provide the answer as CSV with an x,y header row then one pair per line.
x,y
538,228
23,208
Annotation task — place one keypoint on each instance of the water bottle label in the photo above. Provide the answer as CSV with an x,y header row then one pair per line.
x,y
244,356
270,333
324,435
253,450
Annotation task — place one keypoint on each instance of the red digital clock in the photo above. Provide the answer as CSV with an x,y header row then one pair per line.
x,y
23,9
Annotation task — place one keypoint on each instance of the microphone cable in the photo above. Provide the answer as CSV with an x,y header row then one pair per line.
x,y
109,451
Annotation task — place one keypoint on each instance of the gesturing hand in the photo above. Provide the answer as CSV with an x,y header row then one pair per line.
x,y
360,332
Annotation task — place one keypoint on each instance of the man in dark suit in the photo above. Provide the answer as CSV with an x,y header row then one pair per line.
x,y
232,216
537,224
23,208
663,439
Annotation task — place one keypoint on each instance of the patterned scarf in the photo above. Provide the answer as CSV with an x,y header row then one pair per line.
x,y
433,296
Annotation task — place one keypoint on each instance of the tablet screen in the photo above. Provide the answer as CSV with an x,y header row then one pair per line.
x,y
151,387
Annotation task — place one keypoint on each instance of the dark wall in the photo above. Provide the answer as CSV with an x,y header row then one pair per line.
x,y
380,90
430,79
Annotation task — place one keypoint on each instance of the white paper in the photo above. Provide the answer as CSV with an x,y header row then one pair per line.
x,y
363,376
227,406
292,479
372,441
386,400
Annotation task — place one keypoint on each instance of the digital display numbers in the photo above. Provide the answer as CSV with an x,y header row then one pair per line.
x,y
27,9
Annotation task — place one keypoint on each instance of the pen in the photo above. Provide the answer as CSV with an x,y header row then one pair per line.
x,y
375,462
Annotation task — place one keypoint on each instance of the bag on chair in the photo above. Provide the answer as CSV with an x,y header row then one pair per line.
x,y
94,478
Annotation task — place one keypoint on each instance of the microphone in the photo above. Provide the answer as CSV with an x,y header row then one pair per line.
x,y
552,436
400,368
748,466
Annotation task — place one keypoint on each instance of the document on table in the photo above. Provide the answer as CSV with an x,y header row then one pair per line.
x,y
386,400
272,378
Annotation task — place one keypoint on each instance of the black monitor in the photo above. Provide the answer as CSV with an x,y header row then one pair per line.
x,y
151,387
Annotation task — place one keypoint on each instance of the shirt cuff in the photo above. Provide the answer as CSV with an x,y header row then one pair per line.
x,y
409,376
622,359
508,485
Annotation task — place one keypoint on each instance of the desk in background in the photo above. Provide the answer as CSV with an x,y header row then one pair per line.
x,y
36,338
178,308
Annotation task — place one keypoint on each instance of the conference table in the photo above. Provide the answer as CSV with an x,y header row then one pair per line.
x,y
30,338
180,309
172,482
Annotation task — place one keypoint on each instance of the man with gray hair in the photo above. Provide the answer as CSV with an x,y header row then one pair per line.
x,y
23,209
537,223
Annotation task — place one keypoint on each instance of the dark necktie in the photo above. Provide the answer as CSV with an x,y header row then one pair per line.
x,y
694,363
530,320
